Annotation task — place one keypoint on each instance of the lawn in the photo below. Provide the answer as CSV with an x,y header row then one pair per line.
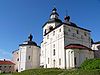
x,y
58,72
88,67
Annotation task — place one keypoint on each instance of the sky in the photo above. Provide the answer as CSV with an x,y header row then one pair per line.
x,y
19,18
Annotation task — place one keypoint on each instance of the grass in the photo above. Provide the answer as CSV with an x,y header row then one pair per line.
x,y
88,67
57,72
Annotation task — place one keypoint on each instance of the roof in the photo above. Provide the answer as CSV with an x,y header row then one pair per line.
x,y
77,46
97,42
52,21
6,62
28,43
74,25
69,24
15,51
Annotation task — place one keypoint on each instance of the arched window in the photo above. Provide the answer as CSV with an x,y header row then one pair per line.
x,y
50,28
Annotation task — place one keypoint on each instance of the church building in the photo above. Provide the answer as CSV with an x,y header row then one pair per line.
x,y
65,45
27,56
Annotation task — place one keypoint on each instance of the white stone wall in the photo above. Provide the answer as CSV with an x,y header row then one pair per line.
x,y
56,38
22,58
72,37
61,37
29,57
94,46
80,56
15,59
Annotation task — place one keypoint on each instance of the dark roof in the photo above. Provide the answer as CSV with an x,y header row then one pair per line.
x,y
53,13
97,42
74,25
53,29
6,62
15,51
77,46
69,24
52,21
28,43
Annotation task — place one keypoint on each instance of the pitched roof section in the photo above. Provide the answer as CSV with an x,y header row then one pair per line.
x,y
97,42
28,43
6,62
77,46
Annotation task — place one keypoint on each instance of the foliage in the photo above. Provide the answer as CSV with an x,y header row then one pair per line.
x,y
91,64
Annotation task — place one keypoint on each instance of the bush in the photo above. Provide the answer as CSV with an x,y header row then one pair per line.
x,y
91,64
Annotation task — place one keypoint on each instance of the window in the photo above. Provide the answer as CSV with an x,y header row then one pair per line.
x,y
54,52
29,57
81,36
0,67
85,34
18,59
48,60
29,46
50,28
9,66
53,33
69,30
53,45
54,63
59,30
73,35
4,66
21,68
60,61
77,31
75,60
47,36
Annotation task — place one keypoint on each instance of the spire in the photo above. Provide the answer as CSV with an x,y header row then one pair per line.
x,y
54,14
67,18
30,37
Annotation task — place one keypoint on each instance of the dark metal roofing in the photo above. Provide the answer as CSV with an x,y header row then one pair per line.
x,y
52,21
97,42
29,43
69,24
74,25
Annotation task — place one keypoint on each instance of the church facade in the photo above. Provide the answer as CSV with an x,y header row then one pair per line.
x,y
27,56
65,45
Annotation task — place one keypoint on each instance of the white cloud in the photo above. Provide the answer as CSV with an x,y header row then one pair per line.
x,y
5,54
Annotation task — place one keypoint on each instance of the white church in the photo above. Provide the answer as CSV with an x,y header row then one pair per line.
x,y
27,56
65,45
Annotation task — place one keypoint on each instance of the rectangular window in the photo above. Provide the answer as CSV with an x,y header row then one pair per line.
x,y
29,57
69,30
54,52
48,60
47,36
77,31
53,33
73,35
59,61
9,66
53,45
0,67
85,34
59,30
75,61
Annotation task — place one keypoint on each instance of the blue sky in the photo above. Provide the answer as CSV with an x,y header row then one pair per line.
x,y
19,18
